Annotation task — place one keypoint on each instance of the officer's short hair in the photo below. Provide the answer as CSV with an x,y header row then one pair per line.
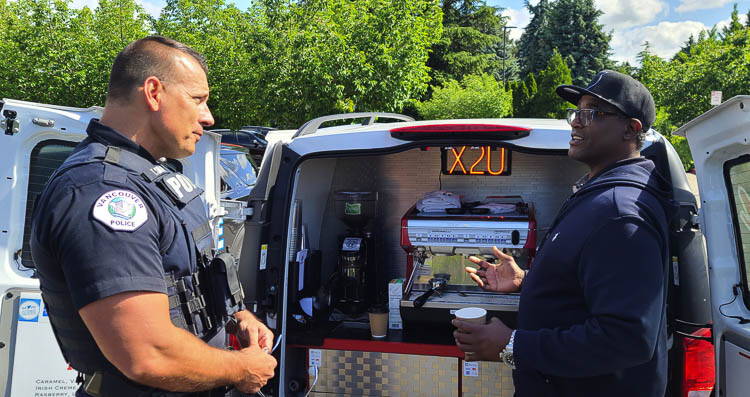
x,y
142,58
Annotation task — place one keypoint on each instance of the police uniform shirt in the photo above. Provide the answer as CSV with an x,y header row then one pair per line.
x,y
100,229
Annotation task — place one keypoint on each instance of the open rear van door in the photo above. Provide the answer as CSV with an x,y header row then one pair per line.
x,y
720,143
35,139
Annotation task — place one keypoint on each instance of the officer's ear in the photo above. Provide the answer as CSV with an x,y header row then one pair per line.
x,y
153,89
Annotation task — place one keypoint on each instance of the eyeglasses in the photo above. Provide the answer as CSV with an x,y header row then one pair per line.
x,y
586,116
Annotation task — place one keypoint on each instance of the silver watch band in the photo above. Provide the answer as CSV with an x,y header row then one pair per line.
x,y
507,354
509,347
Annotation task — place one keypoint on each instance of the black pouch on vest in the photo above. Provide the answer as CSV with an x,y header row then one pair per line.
x,y
225,282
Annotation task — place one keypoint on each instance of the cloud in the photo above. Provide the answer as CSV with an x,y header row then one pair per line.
x,y
519,17
619,14
665,39
151,8
722,24
692,5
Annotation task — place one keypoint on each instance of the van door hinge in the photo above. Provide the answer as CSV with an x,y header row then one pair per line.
x,y
9,124
695,219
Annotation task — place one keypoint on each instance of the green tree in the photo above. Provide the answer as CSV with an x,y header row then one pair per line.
x,y
523,95
715,61
546,103
61,55
224,34
477,96
472,43
115,24
534,49
9,79
572,27
284,63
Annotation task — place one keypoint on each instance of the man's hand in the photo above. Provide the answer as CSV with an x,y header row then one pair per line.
x,y
505,276
481,342
260,368
251,331
134,332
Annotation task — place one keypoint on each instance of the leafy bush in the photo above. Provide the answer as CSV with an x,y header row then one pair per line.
x,y
477,96
681,146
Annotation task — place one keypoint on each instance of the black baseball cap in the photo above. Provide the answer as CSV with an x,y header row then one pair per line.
x,y
619,90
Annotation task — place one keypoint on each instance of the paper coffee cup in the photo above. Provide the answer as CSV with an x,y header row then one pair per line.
x,y
475,315
378,321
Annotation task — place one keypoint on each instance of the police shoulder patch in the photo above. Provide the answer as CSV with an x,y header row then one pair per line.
x,y
120,210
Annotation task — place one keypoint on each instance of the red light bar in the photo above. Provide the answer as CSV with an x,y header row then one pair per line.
x,y
460,131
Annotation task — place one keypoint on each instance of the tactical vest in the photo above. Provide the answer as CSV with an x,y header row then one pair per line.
x,y
203,293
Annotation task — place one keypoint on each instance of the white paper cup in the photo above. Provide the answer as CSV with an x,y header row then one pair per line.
x,y
475,315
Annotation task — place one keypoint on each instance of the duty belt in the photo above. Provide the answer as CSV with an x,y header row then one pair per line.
x,y
103,384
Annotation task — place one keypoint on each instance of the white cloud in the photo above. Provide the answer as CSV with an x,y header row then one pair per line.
x,y
665,39
692,5
619,14
722,24
519,17
152,9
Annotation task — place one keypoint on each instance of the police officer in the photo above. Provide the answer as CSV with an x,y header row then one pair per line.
x,y
124,250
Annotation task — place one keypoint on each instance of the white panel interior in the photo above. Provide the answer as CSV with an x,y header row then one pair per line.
x,y
737,368
401,179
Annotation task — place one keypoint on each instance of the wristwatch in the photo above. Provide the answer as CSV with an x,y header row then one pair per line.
x,y
507,354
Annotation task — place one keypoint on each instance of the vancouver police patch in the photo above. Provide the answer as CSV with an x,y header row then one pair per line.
x,y
120,210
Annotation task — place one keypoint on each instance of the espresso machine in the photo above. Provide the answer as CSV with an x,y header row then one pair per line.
x,y
438,245
355,267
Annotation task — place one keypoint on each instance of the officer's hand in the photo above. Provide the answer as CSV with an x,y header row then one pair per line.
x,y
481,342
505,276
259,369
253,332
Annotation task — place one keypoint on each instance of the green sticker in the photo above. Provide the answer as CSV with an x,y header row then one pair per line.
x,y
353,209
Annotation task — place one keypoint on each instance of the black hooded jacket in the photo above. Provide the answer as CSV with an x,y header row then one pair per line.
x,y
592,315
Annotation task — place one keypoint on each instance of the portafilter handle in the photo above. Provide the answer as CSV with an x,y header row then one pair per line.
x,y
436,283
422,299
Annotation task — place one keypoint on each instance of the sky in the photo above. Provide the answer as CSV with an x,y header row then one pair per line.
x,y
665,24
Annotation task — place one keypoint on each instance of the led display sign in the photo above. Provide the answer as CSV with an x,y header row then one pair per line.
x,y
475,160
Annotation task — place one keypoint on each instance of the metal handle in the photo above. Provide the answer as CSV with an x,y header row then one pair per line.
x,y
420,301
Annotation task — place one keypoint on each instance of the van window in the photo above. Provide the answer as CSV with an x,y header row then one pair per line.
x,y
737,174
46,157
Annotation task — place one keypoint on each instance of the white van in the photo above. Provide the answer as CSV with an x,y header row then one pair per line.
x,y
304,231
34,140
719,143
305,268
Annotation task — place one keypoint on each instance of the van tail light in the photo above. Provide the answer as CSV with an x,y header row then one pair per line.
x,y
462,131
699,370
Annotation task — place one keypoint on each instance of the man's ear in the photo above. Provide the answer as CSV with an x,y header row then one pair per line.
x,y
633,128
152,92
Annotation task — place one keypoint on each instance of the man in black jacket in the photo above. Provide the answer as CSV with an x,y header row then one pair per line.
x,y
592,319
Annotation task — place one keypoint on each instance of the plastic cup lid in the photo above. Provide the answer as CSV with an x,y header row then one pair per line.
x,y
471,312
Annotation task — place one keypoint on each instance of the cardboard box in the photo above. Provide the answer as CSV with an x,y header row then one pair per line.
x,y
395,293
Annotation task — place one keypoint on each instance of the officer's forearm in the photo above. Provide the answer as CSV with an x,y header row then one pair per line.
x,y
182,362
134,332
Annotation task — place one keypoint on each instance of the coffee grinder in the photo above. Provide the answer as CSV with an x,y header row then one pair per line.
x,y
355,267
